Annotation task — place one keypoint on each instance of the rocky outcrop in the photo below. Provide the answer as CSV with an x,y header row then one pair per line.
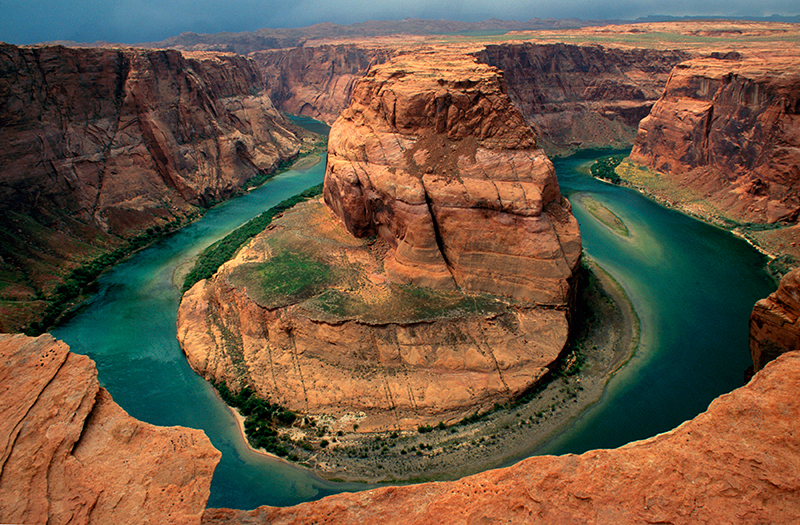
x,y
727,129
582,96
735,463
317,81
432,157
775,322
305,316
101,144
72,455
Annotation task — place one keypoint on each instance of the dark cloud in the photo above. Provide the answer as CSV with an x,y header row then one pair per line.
x,y
131,21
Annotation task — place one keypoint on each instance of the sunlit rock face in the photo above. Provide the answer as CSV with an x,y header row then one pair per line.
x,y
775,322
433,157
583,96
728,128
70,454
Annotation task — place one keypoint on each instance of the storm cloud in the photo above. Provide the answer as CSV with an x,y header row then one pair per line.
x,y
133,21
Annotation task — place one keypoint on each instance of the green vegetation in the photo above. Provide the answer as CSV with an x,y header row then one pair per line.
x,y
221,251
285,278
605,168
261,418
403,304
81,280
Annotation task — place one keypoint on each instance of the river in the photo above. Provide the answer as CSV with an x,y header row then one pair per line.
x,y
692,285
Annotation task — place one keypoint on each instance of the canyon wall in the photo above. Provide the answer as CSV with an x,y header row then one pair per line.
x,y
101,144
575,96
774,323
727,132
735,463
72,455
582,96
316,81
433,157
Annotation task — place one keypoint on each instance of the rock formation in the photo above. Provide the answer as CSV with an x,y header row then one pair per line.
x,y
304,315
582,96
317,81
433,157
735,463
101,144
438,172
72,455
775,322
727,129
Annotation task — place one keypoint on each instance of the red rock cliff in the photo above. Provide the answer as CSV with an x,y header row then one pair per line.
x,y
69,454
316,81
433,157
582,96
100,144
775,322
728,129
735,463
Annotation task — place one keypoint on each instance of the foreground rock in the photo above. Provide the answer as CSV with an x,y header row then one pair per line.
x,y
432,157
735,463
101,144
774,323
306,317
72,455
727,133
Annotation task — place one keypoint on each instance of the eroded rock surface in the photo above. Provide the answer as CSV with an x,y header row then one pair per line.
x,y
317,81
72,455
735,463
340,340
433,157
727,129
583,96
101,144
775,322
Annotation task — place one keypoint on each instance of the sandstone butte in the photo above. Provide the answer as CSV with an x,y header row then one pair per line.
x,y
101,144
775,322
72,455
444,198
727,131
738,462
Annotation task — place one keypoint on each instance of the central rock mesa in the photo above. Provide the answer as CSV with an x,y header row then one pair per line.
x,y
450,293
433,157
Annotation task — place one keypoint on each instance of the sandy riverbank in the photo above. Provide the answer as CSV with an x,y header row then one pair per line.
x,y
607,331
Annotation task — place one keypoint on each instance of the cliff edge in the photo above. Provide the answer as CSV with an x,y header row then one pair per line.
x,y
72,455
735,463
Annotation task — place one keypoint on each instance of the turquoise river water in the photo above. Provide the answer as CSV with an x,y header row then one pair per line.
x,y
692,285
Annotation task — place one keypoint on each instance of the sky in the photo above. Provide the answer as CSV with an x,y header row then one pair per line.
x,y
137,21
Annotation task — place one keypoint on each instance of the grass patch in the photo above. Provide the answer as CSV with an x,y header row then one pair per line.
x,y
286,278
209,261
402,304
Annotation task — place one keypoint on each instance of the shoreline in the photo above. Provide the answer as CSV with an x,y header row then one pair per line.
x,y
503,436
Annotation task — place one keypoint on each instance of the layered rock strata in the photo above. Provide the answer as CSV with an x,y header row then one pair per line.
x,y
775,322
582,96
735,463
317,81
101,144
432,157
72,455
727,131
305,316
